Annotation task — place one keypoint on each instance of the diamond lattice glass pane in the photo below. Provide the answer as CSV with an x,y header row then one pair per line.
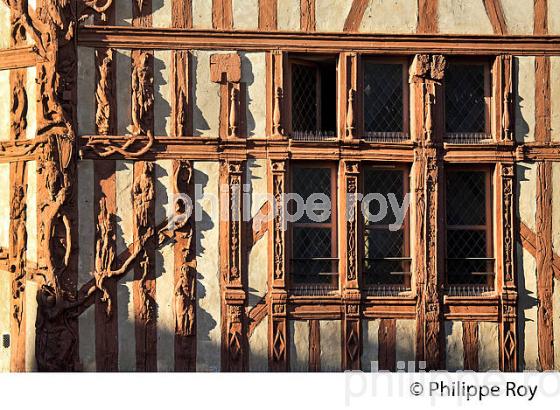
x,y
382,243
308,181
379,245
466,198
466,244
384,182
304,98
464,98
312,243
463,249
383,97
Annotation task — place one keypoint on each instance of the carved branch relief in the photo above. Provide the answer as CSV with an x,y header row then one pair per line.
x,y
104,92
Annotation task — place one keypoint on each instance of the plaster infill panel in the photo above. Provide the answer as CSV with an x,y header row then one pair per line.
x,y
524,70
245,14
299,345
208,318
454,345
398,16
162,93
257,266
488,347
202,14
164,269
86,237
330,15
124,177
86,91
330,345
253,74
370,350
463,17
288,15
206,96
258,348
527,310
519,16
406,344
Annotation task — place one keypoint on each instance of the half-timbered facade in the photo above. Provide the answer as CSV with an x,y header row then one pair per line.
x,y
111,109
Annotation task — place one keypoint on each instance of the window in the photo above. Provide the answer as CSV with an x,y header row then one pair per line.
x,y
313,97
385,89
469,253
467,102
314,259
386,265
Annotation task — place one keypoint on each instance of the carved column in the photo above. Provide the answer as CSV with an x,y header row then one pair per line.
x,y
18,202
234,328
184,301
504,120
225,69
506,263
181,104
278,352
351,326
143,198
275,102
426,75
350,122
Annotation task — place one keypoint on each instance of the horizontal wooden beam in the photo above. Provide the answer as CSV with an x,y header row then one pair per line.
x,y
196,148
182,39
18,57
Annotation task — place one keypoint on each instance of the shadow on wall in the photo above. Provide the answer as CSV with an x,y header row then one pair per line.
x,y
527,299
126,12
521,126
200,123
248,80
162,108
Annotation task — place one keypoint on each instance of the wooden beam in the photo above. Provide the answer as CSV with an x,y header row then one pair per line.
x,y
307,16
222,14
496,15
545,274
268,15
541,17
18,57
355,15
470,345
427,16
181,13
402,44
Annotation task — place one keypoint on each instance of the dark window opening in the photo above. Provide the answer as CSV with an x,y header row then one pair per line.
x,y
314,259
469,253
467,94
384,90
313,89
386,263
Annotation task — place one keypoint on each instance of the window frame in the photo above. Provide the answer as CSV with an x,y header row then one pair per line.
x,y
488,93
299,59
489,227
396,60
333,225
405,169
